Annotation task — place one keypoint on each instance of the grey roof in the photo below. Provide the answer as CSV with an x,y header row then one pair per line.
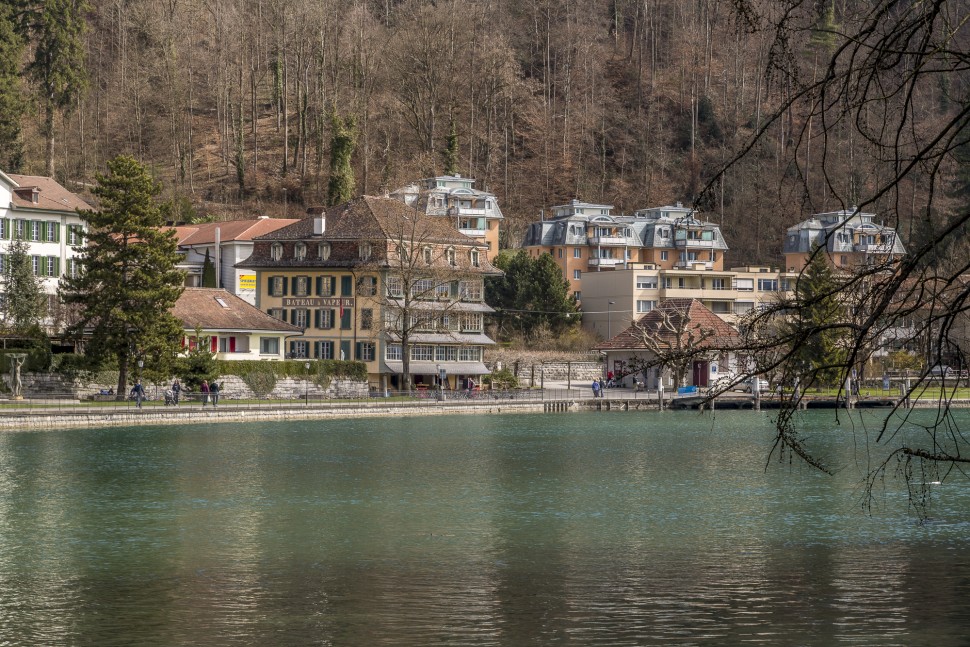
x,y
825,229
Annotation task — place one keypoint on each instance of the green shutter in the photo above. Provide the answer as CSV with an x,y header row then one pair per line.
x,y
57,266
316,318
357,352
347,286
345,319
344,350
319,286
57,231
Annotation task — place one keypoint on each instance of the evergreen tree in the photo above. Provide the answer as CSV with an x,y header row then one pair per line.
x,y
24,305
208,272
128,281
532,294
343,140
11,104
819,354
451,151
58,68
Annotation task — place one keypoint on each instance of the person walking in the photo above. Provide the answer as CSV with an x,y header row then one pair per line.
x,y
596,388
176,391
214,392
204,390
602,389
138,392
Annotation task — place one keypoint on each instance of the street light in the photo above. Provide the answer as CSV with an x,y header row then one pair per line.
x,y
609,319
306,385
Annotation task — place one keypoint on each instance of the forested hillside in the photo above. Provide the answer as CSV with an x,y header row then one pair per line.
x,y
631,102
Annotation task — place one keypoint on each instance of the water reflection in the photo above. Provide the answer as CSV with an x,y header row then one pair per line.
x,y
599,529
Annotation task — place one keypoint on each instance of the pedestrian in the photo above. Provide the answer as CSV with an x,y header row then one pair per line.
x,y
609,380
204,389
138,392
602,389
214,392
596,388
176,391
471,386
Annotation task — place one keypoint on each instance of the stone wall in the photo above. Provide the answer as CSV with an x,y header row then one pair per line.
x,y
532,373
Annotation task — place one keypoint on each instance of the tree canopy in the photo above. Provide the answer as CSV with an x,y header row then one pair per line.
x,y
532,296
127,282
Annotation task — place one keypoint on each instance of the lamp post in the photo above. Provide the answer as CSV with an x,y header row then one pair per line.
x,y
306,385
609,319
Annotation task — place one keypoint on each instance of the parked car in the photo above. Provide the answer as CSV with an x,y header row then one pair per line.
x,y
940,370
748,385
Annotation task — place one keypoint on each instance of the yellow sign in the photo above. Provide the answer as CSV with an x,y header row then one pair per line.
x,y
247,282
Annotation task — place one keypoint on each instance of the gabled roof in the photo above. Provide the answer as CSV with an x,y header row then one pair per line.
x,y
216,309
51,195
229,230
691,318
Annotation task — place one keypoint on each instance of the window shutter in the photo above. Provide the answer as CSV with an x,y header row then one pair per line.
x,y
232,344
344,350
316,349
346,286
345,319
316,318
213,343
331,323
292,348
319,290
42,230
357,352
57,231
57,266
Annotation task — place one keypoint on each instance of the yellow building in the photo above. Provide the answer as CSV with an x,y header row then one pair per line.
x,y
365,279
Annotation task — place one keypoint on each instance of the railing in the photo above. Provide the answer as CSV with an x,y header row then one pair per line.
x,y
605,262
608,240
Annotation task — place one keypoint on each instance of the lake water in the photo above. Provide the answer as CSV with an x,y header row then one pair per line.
x,y
570,529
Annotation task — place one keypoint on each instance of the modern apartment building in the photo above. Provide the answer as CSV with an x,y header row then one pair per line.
x,y
615,299
850,237
358,277
474,213
585,237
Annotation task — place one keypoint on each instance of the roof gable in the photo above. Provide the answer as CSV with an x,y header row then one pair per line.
x,y
689,319
217,309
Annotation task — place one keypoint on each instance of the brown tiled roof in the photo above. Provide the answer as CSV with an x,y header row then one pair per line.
x,y
52,196
229,230
199,308
381,221
662,323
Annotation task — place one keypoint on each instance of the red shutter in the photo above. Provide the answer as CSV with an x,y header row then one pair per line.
x,y
232,344
213,343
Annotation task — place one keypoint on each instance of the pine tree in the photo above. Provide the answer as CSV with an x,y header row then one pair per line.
x,y
128,281
11,104
24,305
58,68
208,272
819,354
343,140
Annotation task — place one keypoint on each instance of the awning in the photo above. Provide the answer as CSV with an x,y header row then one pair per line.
x,y
456,339
431,368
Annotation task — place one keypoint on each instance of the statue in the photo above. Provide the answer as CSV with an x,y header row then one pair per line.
x,y
16,385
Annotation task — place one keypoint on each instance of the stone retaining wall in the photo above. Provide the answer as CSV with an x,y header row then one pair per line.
x,y
533,373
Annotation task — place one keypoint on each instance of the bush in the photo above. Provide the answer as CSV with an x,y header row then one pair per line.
x,y
504,378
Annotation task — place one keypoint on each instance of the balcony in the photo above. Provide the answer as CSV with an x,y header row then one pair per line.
x,y
694,244
608,240
874,248
605,262
694,265
474,232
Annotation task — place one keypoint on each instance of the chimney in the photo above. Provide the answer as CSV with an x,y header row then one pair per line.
x,y
319,224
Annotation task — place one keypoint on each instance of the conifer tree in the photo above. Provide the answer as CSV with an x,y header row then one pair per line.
x,y
58,69
128,281
451,151
208,272
11,102
343,140
25,303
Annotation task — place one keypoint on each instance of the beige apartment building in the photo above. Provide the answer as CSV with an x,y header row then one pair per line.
x,y
615,299
850,237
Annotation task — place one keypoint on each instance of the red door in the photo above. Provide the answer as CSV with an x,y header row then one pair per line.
x,y
702,371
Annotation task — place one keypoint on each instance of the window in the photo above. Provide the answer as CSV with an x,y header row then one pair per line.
x,y
721,307
323,319
299,348
470,290
450,256
364,251
300,317
768,285
325,286
299,251
35,265
276,251
367,286
560,253
423,288
744,285
52,229
442,291
578,295
717,284
743,307
474,255
73,269
269,346
366,319
472,322
393,353
75,235
323,251
577,274
4,228
446,354
427,255
646,282
577,252
403,254
52,265
366,351
422,353
645,306
277,286
19,226
470,354
395,286
278,313
663,256
35,230
663,232
301,286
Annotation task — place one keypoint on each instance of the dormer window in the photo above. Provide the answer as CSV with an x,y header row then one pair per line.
x,y
364,251
299,251
474,255
450,255
323,251
276,251
427,255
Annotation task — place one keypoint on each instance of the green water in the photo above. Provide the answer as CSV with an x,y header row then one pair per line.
x,y
572,529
